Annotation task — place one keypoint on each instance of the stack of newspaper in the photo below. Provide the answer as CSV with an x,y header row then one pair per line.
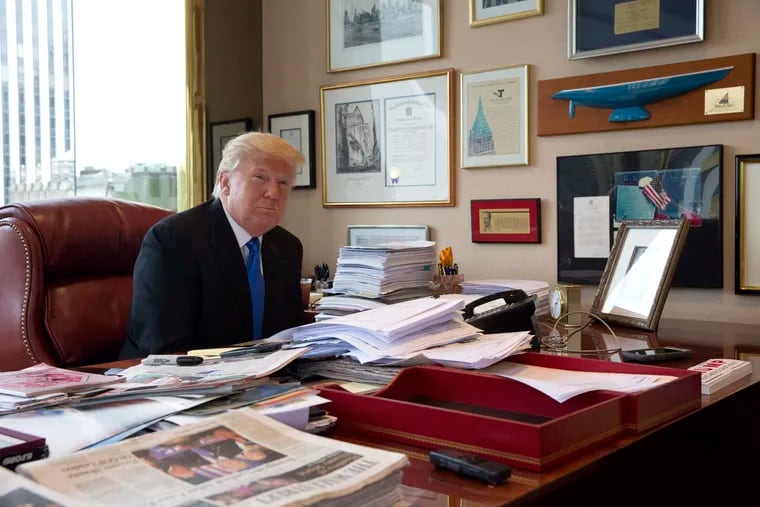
x,y
385,270
238,458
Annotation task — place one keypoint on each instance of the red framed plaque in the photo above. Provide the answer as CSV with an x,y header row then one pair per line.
x,y
506,220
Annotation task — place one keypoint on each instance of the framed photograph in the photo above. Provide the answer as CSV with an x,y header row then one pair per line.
x,y
603,28
387,142
368,33
747,266
298,130
494,117
506,220
219,133
746,352
485,12
638,273
371,235
596,193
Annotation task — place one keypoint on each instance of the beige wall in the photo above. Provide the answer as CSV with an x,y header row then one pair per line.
x,y
294,62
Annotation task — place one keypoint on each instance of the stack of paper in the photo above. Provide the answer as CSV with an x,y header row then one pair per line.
x,y
378,271
388,331
540,288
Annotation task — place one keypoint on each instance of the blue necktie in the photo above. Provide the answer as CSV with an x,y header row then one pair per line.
x,y
256,285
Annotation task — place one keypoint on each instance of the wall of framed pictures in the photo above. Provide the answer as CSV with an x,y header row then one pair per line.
x,y
296,67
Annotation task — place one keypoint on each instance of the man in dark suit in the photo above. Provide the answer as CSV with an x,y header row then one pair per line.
x,y
192,285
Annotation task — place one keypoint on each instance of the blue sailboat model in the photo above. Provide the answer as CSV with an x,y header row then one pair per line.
x,y
627,99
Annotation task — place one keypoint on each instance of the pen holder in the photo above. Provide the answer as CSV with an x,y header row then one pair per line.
x,y
446,284
321,285
305,291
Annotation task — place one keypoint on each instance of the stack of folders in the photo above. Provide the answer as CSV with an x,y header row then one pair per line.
x,y
380,271
538,288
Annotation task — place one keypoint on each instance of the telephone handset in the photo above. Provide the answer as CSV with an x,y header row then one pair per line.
x,y
517,313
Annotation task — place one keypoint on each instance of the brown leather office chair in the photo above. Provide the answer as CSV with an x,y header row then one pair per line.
x,y
66,278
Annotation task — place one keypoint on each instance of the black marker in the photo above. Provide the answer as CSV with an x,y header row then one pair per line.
x,y
260,348
165,359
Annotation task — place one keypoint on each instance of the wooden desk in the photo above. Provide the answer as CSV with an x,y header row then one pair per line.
x,y
707,457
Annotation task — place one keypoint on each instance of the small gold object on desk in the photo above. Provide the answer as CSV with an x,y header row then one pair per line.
x,y
564,299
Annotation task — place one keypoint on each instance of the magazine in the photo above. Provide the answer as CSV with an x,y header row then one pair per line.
x,y
43,379
239,457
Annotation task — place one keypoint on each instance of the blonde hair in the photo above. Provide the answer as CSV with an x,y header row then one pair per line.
x,y
256,147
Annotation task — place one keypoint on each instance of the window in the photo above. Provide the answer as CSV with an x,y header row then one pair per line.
x,y
94,100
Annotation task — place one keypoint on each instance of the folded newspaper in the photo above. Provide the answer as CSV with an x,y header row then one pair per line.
x,y
239,458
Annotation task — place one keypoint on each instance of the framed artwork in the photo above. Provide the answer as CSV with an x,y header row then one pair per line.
x,y
219,133
597,193
368,33
506,220
747,223
603,28
637,277
485,12
298,129
387,142
370,235
494,117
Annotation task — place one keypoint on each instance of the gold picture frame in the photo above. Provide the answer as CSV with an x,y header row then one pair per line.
x,y
494,117
637,277
486,12
371,33
747,223
387,142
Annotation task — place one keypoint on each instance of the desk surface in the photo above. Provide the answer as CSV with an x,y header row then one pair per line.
x,y
675,451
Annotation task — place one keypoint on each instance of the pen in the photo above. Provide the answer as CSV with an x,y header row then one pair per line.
x,y
261,348
164,359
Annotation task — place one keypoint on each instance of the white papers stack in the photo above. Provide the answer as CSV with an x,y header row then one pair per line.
x,y
376,271
392,330
564,384
540,288
335,306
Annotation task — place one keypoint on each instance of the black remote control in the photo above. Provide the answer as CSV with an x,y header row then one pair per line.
x,y
471,465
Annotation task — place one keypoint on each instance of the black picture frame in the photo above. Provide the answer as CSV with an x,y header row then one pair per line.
x,y
598,28
700,168
298,129
218,134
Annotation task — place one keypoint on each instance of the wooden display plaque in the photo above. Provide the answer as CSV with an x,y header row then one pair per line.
x,y
688,108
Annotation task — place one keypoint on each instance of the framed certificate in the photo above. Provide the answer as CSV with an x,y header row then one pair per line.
x,y
604,27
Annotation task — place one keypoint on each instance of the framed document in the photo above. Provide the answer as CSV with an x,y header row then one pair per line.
x,y
747,266
494,117
298,129
604,27
506,220
596,193
387,142
485,12
637,277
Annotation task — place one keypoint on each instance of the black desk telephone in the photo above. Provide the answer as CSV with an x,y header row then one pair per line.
x,y
518,313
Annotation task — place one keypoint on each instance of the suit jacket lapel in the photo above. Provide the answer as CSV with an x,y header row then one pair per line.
x,y
227,255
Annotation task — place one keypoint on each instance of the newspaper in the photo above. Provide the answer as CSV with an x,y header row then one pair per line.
x,y
237,458
17,490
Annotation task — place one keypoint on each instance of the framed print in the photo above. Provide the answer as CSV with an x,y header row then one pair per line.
x,y
637,277
219,133
597,28
370,235
298,130
494,117
368,33
596,193
747,266
387,142
506,220
485,12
